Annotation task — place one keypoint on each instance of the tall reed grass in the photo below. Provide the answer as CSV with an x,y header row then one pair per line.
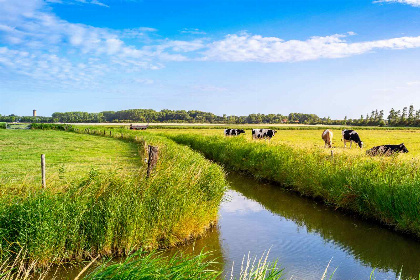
x,y
114,212
387,190
155,266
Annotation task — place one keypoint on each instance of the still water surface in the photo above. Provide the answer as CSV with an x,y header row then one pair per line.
x,y
304,236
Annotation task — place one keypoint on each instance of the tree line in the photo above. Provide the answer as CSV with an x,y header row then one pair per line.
x,y
408,116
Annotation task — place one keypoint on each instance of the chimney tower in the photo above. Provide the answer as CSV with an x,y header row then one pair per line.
x,y
34,113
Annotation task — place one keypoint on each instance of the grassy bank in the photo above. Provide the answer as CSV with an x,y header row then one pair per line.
x,y
385,189
107,206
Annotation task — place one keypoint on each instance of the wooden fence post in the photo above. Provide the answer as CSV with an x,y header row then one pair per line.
x,y
110,133
145,148
153,158
332,154
44,184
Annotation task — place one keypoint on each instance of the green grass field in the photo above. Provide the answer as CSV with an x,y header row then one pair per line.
x,y
311,139
383,188
68,155
98,199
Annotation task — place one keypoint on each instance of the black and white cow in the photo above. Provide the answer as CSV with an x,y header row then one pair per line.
x,y
387,150
351,136
233,132
263,133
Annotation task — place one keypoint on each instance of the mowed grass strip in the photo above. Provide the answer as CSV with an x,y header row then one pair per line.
x,y
68,155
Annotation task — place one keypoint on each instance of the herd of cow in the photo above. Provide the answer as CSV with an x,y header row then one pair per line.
x,y
348,135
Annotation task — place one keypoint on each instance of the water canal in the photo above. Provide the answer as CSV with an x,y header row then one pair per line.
x,y
304,235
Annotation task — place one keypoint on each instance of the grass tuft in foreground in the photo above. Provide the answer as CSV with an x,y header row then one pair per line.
x,y
155,266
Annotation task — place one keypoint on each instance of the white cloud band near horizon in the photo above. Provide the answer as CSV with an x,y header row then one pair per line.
x,y
256,48
414,3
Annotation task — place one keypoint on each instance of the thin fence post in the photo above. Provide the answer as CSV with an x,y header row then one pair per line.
x,y
110,133
153,158
44,184
145,148
332,154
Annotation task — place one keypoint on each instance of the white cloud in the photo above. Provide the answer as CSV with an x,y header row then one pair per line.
x,y
194,31
39,28
257,48
168,50
182,46
94,2
240,204
137,32
41,45
50,67
29,28
415,3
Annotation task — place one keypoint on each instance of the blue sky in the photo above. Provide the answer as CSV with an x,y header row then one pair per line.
x,y
329,57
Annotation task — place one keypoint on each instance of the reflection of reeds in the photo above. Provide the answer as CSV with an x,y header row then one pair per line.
x,y
387,189
21,268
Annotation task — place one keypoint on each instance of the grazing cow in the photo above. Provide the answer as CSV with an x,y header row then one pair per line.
x,y
233,132
351,136
327,136
263,133
387,150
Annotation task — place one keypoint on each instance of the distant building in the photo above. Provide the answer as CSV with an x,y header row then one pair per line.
x,y
34,113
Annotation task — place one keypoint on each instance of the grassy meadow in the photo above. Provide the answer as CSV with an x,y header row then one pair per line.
x,y
98,200
310,139
386,189
68,156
